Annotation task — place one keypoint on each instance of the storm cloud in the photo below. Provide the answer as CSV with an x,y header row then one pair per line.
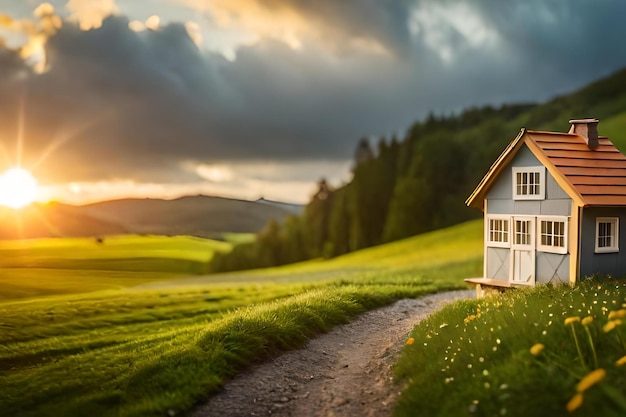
x,y
150,105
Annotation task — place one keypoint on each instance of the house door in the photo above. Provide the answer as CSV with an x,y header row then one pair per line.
x,y
523,250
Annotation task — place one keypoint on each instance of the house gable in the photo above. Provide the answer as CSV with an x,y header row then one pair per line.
x,y
556,201
568,159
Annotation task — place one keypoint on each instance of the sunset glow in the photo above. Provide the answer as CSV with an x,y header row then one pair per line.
x,y
110,99
18,188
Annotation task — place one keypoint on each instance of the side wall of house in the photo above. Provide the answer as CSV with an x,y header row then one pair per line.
x,y
549,267
613,263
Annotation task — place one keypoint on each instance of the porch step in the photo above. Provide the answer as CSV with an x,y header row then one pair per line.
x,y
489,286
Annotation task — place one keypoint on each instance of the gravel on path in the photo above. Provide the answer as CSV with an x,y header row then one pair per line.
x,y
346,372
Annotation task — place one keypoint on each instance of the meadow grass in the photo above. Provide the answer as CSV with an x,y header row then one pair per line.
x,y
136,246
19,283
132,352
531,352
40,252
427,253
38,267
238,238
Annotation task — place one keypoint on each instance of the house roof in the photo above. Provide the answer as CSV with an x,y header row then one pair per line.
x,y
591,177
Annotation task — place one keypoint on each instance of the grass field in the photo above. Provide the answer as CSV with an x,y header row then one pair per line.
x,y
429,256
549,351
29,268
17,253
136,352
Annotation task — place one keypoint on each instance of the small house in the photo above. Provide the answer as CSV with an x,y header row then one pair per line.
x,y
554,209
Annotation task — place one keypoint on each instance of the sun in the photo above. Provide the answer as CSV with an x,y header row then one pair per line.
x,y
18,188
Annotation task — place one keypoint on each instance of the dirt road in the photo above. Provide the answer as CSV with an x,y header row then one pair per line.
x,y
346,372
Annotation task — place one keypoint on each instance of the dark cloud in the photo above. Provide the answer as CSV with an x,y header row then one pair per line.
x,y
130,104
562,43
119,104
123,103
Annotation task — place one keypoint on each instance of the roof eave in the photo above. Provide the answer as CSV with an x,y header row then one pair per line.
x,y
477,197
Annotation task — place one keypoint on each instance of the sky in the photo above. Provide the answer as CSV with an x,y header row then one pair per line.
x,y
261,98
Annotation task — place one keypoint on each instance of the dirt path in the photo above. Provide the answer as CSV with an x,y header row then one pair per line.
x,y
346,372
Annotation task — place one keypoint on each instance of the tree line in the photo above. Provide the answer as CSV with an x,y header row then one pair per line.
x,y
398,189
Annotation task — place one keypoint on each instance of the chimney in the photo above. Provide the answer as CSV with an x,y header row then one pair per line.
x,y
588,129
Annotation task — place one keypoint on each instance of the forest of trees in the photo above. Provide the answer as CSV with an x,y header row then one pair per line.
x,y
398,189
403,188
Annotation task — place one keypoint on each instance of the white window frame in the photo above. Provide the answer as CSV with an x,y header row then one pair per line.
x,y
614,247
541,170
531,231
497,243
552,248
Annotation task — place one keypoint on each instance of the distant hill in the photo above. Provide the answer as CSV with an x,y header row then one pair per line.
x,y
53,220
194,215
201,216
292,208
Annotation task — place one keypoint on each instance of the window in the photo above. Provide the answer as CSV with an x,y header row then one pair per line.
x,y
498,232
529,183
607,234
523,232
553,234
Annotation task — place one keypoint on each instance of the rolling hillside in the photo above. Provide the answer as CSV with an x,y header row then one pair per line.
x,y
53,220
200,216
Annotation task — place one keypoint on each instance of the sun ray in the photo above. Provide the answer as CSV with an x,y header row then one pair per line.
x,y
66,136
49,226
5,154
19,146
19,224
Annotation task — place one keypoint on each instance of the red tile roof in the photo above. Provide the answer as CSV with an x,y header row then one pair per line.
x,y
592,177
598,175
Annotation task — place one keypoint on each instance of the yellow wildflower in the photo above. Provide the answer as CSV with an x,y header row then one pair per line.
x,y
470,318
621,361
611,325
410,341
574,403
587,321
536,349
571,320
591,379
617,314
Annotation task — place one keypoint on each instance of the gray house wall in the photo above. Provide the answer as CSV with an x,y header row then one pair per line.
x,y
602,263
549,267
500,196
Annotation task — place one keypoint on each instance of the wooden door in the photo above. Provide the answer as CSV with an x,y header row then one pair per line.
x,y
523,250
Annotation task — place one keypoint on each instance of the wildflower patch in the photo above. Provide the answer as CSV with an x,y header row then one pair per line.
x,y
551,350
